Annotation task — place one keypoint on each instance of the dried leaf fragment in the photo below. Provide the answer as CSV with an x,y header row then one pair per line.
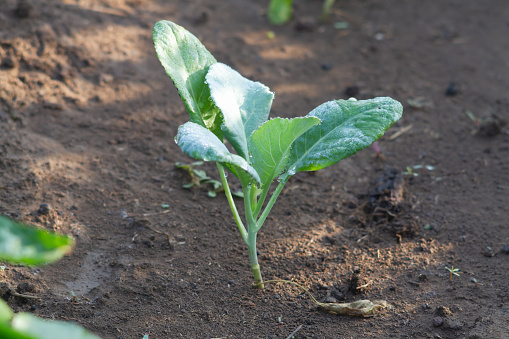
x,y
360,308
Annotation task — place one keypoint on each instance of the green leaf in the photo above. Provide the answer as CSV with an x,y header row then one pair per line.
x,y
270,144
5,312
245,105
326,9
22,244
200,143
280,11
6,332
347,127
187,61
38,328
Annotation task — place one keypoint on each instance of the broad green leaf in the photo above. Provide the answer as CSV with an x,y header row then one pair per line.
x,y
187,61
347,127
22,244
200,143
280,11
5,312
7,332
38,328
270,144
245,105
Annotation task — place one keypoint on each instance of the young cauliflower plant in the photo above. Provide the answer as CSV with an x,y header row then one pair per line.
x,y
222,104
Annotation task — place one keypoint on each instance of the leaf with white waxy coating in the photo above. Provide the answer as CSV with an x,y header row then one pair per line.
x,y
200,143
271,143
347,127
245,105
187,61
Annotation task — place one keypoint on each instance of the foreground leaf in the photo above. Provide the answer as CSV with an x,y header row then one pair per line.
x,y
187,61
38,328
5,312
245,105
200,143
347,127
6,332
270,144
280,11
22,244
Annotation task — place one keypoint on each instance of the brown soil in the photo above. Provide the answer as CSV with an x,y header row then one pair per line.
x,y
87,121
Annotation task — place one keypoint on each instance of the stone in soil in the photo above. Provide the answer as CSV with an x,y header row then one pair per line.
x,y
25,287
452,90
438,321
443,311
44,209
352,91
24,9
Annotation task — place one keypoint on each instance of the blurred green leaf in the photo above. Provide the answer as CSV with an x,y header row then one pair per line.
x,y
5,312
280,11
6,332
23,244
38,328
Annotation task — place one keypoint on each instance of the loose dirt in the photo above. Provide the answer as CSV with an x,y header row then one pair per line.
x,y
87,121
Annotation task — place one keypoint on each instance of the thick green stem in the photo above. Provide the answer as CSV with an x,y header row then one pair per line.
x,y
253,260
229,196
251,235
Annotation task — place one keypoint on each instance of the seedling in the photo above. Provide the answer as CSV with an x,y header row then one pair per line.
x,y
199,177
222,104
453,271
280,11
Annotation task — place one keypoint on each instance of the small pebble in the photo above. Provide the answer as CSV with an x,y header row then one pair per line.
x,y
488,252
337,295
44,209
443,311
326,67
505,249
33,308
331,300
231,281
352,91
423,277
8,62
452,90
305,25
25,287
438,321
24,9
455,325
148,243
